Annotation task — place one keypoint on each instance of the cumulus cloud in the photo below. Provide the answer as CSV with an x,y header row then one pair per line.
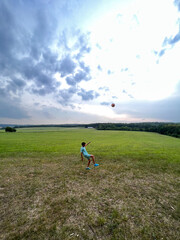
x,y
73,67
105,103
98,46
106,89
67,66
162,52
79,76
124,69
88,95
125,92
99,68
82,45
177,3
66,94
109,72
172,40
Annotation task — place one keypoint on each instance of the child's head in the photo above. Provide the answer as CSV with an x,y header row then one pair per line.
x,y
83,144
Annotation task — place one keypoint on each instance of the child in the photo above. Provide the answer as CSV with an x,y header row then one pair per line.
x,y
87,155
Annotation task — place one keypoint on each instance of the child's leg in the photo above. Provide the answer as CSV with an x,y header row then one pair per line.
x,y
93,158
89,162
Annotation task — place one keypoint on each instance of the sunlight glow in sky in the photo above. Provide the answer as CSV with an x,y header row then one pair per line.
x,y
67,61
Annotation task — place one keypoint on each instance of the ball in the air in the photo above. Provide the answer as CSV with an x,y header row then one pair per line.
x,y
112,105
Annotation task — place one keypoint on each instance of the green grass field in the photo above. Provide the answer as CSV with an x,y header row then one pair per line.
x,y
46,193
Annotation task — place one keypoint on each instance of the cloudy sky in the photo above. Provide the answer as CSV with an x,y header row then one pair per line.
x,y
66,61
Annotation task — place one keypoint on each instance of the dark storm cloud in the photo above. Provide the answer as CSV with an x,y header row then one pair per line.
x,y
88,95
82,74
42,90
16,85
42,81
3,93
17,42
11,109
78,77
28,30
72,66
9,41
50,62
67,66
6,37
42,29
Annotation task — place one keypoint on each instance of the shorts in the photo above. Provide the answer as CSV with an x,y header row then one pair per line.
x,y
87,156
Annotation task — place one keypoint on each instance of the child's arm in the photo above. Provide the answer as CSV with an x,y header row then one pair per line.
x,y
82,157
87,143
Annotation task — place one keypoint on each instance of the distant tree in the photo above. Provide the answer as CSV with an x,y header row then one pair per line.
x,y
10,129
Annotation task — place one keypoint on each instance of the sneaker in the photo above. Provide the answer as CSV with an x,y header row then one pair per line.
x,y
96,164
87,168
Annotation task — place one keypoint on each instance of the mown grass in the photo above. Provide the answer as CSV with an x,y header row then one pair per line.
x,y
46,193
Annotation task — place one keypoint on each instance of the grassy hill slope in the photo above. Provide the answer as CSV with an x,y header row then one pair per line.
x,y
46,193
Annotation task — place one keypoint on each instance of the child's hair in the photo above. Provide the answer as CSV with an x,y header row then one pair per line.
x,y
83,144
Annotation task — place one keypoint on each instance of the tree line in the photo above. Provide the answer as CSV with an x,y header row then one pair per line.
x,y
170,129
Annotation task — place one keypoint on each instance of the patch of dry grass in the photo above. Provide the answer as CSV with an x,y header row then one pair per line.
x,y
56,198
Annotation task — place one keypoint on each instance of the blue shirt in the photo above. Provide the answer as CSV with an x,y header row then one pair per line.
x,y
85,153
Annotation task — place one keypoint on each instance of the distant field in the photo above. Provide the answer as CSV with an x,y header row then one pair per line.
x,y
46,193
